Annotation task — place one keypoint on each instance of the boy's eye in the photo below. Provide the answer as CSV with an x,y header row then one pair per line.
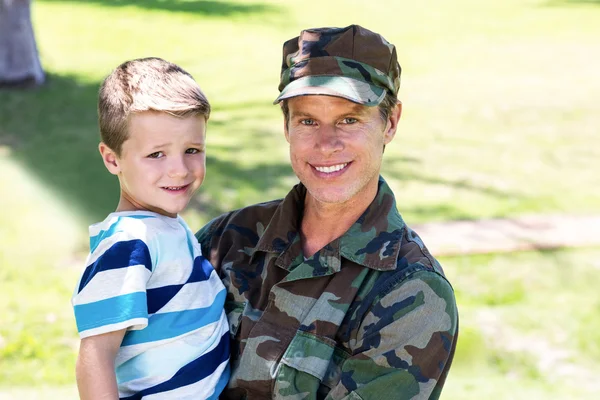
x,y
192,151
156,154
349,120
307,121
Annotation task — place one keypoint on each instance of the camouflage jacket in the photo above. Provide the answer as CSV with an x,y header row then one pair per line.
x,y
369,316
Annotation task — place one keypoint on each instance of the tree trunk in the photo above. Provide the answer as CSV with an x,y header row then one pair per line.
x,y
19,60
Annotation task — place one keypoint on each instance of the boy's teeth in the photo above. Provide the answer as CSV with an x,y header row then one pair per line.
x,y
331,168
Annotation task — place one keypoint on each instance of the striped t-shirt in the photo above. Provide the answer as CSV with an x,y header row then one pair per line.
x,y
146,273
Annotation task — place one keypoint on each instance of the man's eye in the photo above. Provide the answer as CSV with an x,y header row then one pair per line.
x,y
157,154
307,121
349,120
192,151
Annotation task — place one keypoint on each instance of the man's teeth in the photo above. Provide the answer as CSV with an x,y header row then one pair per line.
x,y
331,168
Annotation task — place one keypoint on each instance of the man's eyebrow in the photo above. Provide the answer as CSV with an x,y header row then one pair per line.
x,y
300,114
358,109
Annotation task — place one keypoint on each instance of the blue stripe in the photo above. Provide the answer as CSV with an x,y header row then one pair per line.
x,y
139,216
159,297
167,325
111,311
119,255
202,270
193,372
190,236
95,240
223,379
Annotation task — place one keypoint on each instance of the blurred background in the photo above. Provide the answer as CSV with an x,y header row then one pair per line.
x,y
500,120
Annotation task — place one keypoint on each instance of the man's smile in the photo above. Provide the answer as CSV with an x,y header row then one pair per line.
x,y
330,170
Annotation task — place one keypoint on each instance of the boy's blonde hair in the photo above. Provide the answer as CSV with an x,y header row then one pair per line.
x,y
145,84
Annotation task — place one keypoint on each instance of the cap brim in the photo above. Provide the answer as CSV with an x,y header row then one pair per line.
x,y
339,86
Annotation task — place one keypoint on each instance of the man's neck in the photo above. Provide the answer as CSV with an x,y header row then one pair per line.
x,y
322,223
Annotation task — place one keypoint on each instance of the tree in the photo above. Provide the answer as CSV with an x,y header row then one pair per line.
x,y
19,60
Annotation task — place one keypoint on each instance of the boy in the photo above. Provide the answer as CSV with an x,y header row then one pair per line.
x,y
149,306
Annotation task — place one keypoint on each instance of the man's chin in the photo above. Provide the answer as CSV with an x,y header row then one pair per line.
x,y
329,195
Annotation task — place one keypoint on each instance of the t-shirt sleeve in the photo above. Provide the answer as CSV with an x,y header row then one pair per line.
x,y
111,294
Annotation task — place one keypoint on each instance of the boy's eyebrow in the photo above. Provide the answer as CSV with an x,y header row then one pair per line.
x,y
163,145
159,146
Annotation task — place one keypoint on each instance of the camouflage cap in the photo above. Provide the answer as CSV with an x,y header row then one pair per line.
x,y
351,62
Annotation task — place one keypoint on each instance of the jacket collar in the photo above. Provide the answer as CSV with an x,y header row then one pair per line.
x,y
373,241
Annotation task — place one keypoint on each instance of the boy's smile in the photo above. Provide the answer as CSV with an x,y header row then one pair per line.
x,y
162,162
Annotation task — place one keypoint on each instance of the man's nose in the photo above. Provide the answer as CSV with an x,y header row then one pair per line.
x,y
328,140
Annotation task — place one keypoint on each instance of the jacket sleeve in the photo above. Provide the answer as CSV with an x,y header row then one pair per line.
x,y
405,343
208,237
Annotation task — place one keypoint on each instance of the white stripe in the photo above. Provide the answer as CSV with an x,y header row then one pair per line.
x,y
133,324
192,296
112,283
173,272
158,364
200,335
173,249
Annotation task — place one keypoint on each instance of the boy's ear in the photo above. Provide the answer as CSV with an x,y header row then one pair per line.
x,y
111,161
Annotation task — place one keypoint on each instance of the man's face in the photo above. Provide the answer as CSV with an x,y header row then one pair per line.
x,y
162,162
336,146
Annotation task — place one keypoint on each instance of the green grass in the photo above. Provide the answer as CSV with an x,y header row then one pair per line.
x,y
529,318
500,119
498,109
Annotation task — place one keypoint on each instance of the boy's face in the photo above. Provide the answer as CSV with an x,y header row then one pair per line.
x,y
162,163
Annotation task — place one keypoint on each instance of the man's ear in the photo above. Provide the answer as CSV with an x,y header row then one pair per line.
x,y
392,122
110,158
285,129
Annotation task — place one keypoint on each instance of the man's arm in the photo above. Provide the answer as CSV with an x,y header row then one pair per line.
x,y
404,344
95,369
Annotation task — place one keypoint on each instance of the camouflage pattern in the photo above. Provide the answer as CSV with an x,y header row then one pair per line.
x,y
328,54
369,316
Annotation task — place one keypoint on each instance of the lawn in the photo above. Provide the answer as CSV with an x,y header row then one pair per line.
x,y
500,119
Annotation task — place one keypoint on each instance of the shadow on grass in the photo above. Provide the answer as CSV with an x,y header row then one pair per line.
x,y
205,7
53,132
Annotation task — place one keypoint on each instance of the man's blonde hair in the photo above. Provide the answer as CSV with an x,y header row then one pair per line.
x,y
146,84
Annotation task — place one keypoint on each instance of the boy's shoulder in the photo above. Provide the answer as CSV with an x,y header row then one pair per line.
x,y
132,225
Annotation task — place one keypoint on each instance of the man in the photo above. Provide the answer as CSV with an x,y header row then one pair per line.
x,y
330,294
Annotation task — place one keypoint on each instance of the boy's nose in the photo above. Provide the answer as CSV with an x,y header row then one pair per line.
x,y
177,168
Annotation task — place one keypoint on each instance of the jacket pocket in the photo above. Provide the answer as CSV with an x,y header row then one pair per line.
x,y
317,356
